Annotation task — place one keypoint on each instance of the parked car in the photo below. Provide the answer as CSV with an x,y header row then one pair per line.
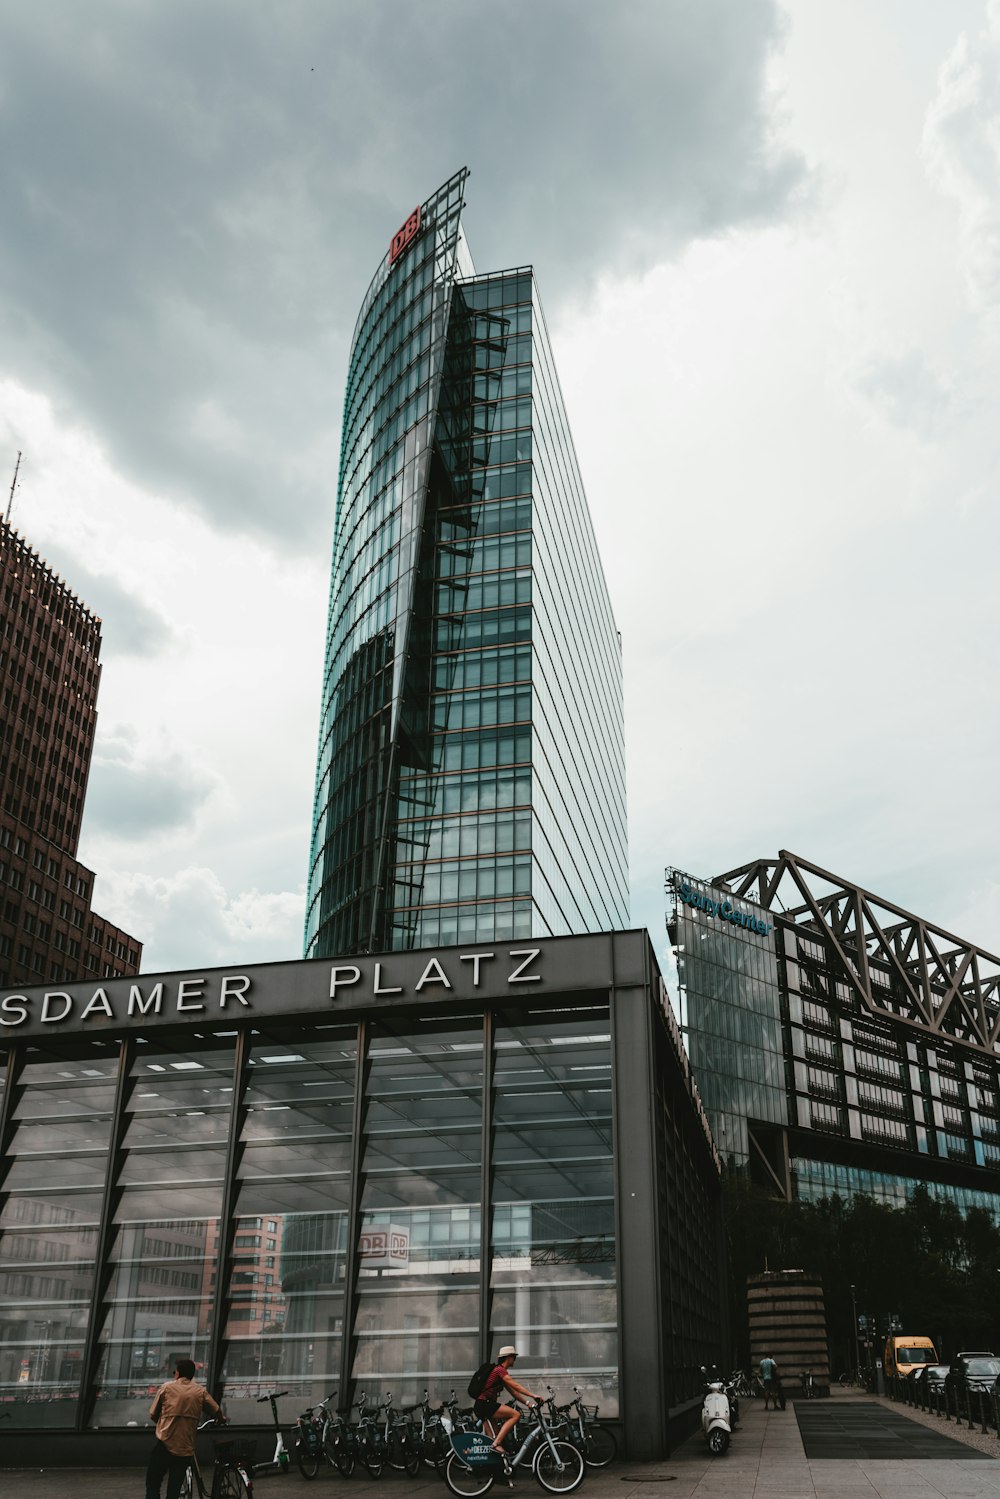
x,y
930,1378
971,1374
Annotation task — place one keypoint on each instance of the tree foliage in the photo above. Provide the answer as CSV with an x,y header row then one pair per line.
x,y
934,1268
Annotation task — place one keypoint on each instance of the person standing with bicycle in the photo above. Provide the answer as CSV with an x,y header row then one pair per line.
x,y
487,1406
176,1410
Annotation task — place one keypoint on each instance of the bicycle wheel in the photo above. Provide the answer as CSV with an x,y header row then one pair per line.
x,y
373,1459
562,1473
463,1480
601,1448
437,1448
231,1485
340,1452
306,1459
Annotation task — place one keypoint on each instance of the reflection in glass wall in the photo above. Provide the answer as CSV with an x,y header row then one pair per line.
x,y
48,1231
286,1292
158,1305
417,1318
418,1298
553,1263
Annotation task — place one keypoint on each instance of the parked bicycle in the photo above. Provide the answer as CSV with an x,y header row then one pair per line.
x,y
232,1470
434,1431
309,1445
473,1467
598,1445
746,1385
339,1443
402,1439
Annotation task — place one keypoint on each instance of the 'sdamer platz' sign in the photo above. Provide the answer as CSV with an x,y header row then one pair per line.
x,y
311,987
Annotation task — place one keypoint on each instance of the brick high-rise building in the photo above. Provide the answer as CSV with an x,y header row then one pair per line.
x,y
50,646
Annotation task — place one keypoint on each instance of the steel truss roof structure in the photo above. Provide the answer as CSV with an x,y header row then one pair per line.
x,y
897,964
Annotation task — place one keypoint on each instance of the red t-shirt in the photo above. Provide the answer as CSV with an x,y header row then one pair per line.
x,y
494,1388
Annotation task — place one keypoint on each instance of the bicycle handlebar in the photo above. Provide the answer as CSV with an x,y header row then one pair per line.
x,y
274,1395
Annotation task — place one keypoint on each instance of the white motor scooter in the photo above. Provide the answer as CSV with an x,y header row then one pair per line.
x,y
716,1415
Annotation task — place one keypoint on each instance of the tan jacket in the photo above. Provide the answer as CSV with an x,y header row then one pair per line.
x,y
177,1410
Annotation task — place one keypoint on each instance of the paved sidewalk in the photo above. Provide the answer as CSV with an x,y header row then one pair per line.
x,y
766,1461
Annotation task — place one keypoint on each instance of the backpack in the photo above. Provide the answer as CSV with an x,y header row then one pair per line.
x,y
478,1381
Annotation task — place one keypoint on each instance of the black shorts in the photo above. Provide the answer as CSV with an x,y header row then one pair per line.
x,y
485,1409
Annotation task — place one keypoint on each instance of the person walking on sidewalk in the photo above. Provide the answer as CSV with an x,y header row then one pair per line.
x,y
768,1369
176,1410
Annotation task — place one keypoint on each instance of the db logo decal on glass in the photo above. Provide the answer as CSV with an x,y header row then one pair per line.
x,y
402,237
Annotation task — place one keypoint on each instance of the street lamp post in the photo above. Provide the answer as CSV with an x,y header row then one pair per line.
x,y
854,1334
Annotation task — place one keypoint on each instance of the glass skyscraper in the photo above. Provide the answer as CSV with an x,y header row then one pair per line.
x,y
470,778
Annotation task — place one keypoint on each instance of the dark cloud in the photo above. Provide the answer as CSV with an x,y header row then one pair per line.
x,y
195,196
129,627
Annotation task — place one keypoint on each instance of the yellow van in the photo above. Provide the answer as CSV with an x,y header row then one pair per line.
x,y
905,1354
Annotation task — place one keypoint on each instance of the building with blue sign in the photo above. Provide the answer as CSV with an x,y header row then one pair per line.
x,y
840,1043
470,779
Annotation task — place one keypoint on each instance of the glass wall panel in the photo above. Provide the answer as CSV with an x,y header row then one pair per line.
x,y
418,1282
553,1273
48,1232
158,1304
286,1307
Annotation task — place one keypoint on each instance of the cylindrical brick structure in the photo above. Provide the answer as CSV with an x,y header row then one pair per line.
x,y
788,1322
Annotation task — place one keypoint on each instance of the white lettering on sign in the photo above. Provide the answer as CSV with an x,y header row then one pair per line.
x,y
347,976
100,1004
234,986
47,1016
336,982
529,954
475,958
191,995
433,974
379,988
136,1003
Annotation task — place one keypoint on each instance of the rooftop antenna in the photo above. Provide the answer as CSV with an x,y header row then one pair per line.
x,y
13,486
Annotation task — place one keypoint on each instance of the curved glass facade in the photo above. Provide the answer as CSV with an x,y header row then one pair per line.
x,y
470,780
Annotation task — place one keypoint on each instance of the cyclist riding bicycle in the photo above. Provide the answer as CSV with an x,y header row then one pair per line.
x,y
176,1410
488,1403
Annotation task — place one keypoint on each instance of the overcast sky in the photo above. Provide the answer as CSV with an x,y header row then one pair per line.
x,y
767,235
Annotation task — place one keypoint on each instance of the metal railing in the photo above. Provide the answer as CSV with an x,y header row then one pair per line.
x,y
975,1408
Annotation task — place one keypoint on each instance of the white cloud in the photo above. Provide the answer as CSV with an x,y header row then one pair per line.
x,y
962,150
136,791
189,919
